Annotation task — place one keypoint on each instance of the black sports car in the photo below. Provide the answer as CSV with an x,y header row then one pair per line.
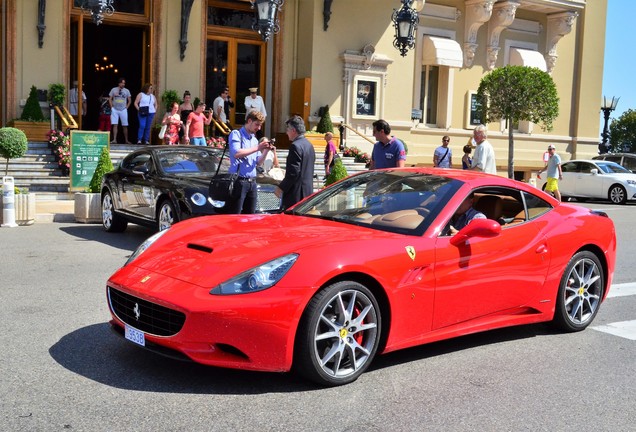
x,y
160,185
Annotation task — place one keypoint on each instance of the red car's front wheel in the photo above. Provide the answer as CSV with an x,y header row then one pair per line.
x,y
339,334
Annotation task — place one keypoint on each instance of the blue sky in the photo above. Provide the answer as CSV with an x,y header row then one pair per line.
x,y
620,59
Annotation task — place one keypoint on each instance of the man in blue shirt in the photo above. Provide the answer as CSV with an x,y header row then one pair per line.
x,y
389,151
246,153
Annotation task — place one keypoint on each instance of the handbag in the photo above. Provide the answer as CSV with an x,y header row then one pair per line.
x,y
162,132
222,186
144,111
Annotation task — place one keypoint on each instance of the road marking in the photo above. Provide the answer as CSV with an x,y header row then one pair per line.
x,y
621,290
624,329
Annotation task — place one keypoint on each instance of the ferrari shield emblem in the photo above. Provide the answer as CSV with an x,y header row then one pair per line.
x,y
145,279
410,250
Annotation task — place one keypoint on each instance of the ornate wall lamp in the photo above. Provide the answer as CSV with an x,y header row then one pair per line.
x,y
97,9
405,21
266,19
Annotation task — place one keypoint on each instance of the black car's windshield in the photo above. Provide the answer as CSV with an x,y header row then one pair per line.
x,y
390,200
612,167
191,161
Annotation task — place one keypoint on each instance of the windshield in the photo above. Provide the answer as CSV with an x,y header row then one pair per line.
x,y
612,167
200,162
390,200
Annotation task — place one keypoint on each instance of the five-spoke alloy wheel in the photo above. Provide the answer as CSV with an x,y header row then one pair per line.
x,y
580,292
339,334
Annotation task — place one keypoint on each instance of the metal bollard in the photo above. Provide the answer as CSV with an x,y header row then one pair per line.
x,y
8,202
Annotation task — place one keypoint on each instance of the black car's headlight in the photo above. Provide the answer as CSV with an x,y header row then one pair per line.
x,y
145,245
198,199
258,278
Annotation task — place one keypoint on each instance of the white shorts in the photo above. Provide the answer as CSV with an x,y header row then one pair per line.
x,y
115,116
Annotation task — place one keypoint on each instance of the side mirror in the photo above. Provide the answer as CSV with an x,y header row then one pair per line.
x,y
141,170
594,171
477,228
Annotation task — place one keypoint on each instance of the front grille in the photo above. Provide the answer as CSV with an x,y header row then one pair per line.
x,y
267,201
145,316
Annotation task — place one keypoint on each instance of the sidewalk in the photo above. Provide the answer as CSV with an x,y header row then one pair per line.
x,y
55,211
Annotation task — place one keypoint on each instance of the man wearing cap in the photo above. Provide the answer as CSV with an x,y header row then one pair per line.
x,y
254,102
554,173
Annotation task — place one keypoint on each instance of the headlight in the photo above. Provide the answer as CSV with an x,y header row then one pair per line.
x,y
198,199
145,245
257,279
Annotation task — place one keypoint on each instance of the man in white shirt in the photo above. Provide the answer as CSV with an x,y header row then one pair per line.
x,y
484,158
218,106
73,100
254,102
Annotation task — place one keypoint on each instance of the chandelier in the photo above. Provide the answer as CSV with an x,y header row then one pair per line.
x,y
266,19
97,9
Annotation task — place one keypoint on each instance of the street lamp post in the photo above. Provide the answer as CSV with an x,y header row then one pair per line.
x,y
608,106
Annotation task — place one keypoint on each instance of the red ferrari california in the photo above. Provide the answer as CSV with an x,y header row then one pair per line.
x,y
372,264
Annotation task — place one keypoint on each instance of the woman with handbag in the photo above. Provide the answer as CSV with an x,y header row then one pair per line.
x,y
146,104
172,122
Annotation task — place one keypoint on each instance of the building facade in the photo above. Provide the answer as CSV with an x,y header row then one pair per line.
x,y
338,53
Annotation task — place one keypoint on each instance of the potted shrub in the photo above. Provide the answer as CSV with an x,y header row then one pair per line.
x,y
88,208
13,144
32,121
338,172
317,137
57,94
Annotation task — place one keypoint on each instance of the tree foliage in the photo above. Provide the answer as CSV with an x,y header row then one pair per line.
x,y
623,132
169,97
13,144
104,165
518,93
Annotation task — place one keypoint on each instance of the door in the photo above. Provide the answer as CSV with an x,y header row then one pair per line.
x,y
489,275
300,98
589,184
238,64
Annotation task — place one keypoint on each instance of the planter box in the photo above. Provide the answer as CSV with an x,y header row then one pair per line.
x,y
24,205
88,207
34,131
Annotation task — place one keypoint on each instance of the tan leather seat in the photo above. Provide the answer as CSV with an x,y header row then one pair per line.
x,y
491,206
408,219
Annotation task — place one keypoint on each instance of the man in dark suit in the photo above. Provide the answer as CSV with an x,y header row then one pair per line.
x,y
299,169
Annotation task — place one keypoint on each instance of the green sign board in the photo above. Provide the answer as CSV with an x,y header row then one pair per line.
x,y
86,146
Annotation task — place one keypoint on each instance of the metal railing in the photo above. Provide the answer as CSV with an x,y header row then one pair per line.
x,y
67,119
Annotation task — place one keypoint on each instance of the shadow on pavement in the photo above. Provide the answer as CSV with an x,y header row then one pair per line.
x,y
128,240
98,353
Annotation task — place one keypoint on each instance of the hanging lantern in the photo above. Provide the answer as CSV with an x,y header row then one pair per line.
x,y
405,21
266,17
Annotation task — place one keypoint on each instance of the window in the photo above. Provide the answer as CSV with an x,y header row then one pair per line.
x,y
428,94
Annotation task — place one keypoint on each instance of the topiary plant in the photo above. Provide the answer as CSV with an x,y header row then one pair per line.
x,y
325,125
169,97
104,165
57,94
338,172
32,110
13,144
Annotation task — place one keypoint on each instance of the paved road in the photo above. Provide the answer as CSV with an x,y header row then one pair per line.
x,y
63,369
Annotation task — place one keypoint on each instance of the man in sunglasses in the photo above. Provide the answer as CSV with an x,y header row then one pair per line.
x,y
443,156
554,173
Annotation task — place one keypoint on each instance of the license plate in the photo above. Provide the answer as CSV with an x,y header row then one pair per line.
x,y
134,335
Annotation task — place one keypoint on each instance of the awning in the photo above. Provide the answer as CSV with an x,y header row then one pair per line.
x,y
439,51
524,57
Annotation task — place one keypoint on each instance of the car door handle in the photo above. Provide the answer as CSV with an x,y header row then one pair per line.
x,y
542,249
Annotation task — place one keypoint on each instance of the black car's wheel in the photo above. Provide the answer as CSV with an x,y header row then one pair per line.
x,y
617,194
166,215
580,292
338,335
111,221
